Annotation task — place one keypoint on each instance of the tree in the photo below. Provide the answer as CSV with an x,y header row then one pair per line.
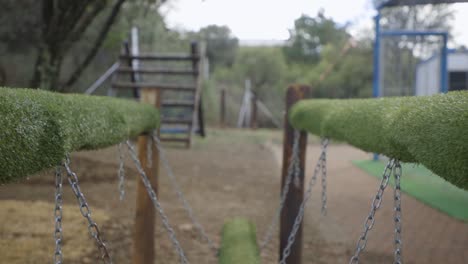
x,y
62,23
221,45
310,35
264,66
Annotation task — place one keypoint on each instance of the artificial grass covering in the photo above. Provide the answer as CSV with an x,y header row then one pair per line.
x,y
239,243
425,186
431,130
38,128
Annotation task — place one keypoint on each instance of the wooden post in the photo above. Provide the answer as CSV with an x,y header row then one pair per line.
x,y
143,242
253,116
201,119
222,105
296,193
197,57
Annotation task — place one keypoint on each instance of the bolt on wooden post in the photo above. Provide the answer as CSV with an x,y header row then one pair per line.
x,y
296,193
143,242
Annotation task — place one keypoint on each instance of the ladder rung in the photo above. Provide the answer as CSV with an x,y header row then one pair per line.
x,y
163,86
174,130
176,121
178,104
161,57
157,71
174,139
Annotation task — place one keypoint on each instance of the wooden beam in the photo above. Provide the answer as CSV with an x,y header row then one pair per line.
x,y
296,193
144,243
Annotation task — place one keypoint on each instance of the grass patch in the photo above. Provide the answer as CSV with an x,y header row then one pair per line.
x,y
420,183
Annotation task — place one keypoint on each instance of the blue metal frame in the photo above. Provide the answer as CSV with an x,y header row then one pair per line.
x,y
379,34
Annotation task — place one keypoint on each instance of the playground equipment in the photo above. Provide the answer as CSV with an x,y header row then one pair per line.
x,y
45,127
181,102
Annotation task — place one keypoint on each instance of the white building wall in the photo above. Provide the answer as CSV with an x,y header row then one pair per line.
x,y
428,77
428,73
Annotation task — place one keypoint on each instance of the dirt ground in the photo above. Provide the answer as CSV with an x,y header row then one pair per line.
x,y
227,175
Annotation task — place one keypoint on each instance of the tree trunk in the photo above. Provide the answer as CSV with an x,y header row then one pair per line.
x,y
47,69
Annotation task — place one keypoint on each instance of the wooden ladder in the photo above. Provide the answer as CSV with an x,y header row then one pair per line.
x,y
181,108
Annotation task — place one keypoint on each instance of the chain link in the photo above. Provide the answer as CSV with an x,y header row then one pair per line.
x,y
58,232
325,142
86,212
296,165
157,205
180,194
300,214
291,170
149,152
397,213
370,220
121,172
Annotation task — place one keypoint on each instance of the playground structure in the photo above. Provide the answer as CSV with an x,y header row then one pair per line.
x,y
177,77
45,127
386,126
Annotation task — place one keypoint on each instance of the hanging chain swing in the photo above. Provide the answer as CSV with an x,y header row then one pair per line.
x,y
393,167
58,235
84,210
320,166
121,172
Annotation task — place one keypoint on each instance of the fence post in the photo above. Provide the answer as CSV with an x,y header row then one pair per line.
x,y
253,115
143,242
222,105
296,193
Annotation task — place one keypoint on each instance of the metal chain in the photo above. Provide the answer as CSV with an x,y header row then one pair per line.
x,y
86,212
121,172
149,152
300,214
157,205
291,170
370,220
297,165
180,194
325,142
58,232
397,172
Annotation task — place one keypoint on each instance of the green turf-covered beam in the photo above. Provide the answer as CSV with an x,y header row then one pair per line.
x,y
239,243
431,130
37,128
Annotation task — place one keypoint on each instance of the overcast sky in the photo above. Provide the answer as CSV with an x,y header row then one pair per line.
x,y
271,19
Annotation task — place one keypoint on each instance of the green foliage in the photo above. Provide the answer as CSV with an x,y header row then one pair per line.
x,y
39,127
310,35
239,243
429,130
265,67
